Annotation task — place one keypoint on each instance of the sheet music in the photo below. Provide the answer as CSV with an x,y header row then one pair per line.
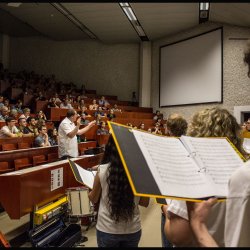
x,y
246,145
217,157
175,173
86,176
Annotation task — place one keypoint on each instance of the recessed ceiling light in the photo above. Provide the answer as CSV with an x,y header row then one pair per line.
x,y
14,4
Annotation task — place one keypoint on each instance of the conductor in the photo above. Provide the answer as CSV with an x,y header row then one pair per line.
x,y
67,131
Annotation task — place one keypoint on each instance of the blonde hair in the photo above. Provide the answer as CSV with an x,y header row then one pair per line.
x,y
215,122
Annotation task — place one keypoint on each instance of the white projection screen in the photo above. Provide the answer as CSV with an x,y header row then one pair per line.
x,y
191,70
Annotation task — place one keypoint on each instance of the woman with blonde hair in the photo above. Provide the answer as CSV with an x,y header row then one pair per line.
x,y
213,122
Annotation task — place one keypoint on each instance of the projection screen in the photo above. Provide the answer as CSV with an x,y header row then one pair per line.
x,y
191,70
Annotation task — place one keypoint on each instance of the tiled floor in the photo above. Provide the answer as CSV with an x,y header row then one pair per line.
x,y
150,217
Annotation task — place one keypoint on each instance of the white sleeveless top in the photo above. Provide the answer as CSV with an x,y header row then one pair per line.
x,y
104,221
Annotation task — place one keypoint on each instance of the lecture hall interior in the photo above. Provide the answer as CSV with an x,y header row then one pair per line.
x,y
130,63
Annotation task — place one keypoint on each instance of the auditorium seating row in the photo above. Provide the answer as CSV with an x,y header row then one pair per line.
x,y
23,158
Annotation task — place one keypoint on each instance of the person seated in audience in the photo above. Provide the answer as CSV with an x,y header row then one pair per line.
x,y
14,113
22,127
157,129
106,106
80,104
42,140
84,121
40,97
26,113
116,109
111,115
158,115
245,133
6,103
53,136
98,119
52,103
32,125
142,126
1,101
102,129
66,104
10,129
213,122
102,101
4,113
100,112
94,105
129,124
41,116
57,99
118,222
84,110
19,106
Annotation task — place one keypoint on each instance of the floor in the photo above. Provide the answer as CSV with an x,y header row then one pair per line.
x,y
150,218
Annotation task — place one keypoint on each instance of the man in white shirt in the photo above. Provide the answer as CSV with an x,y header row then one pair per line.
x,y
67,131
10,130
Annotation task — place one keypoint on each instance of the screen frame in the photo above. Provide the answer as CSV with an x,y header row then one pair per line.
x,y
179,41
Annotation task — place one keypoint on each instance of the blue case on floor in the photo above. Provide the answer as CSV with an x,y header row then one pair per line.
x,y
55,233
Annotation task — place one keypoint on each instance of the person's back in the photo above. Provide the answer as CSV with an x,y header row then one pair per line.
x,y
237,223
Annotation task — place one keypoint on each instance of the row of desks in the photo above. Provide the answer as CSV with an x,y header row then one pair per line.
x,y
23,190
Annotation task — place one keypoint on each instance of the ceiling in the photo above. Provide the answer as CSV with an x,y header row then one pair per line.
x,y
108,22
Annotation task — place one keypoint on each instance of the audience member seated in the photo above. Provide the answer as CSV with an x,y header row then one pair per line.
x,y
56,97
102,130
22,127
53,136
100,112
106,106
116,109
157,129
158,115
14,114
93,106
19,106
32,125
245,133
102,101
80,103
9,130
41,116
129,124
142,126
66,104
84,121
26,113
83,110
98,119
52,103
42,140
40,97
1,101
4,113
111,115
6,103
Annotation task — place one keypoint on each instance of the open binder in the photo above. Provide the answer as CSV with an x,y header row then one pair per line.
x,y
82,175
178,168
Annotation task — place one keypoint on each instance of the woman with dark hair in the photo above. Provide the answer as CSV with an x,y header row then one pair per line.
x,y
118,223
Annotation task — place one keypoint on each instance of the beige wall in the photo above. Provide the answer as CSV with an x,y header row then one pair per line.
x,y
236,86
109,69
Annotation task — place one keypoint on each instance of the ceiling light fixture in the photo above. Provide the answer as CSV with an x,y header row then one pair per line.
x,y
204,12
127,9
73,19
14,4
